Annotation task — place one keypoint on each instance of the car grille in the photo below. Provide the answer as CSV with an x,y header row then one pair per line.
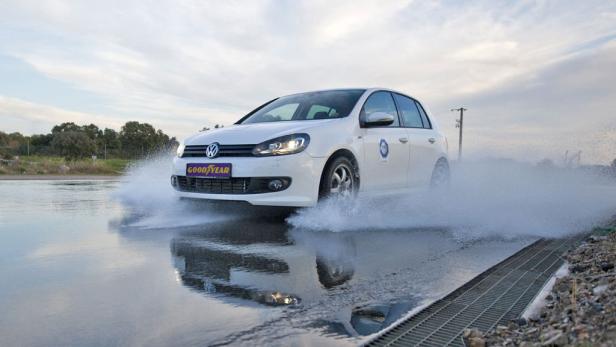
x,y
236,185
224,151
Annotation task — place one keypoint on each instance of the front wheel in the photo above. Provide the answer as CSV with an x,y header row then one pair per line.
x,y
339,179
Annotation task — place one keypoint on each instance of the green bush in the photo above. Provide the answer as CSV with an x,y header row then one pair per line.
x,y
41,165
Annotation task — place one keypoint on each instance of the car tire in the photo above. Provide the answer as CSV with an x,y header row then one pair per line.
x,y
440,175
339,179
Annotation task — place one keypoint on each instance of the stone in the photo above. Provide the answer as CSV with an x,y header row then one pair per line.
x,y
521,322
596,238
531,331
502,330
597,306
466,333
579,268
476,342
554,338
473,337
474,332
600,289
581,332
581,308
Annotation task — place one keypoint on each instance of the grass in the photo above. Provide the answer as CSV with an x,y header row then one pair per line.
x,y
604,231
43,165
607,229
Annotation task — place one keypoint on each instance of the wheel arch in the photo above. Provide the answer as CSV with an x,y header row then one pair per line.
x,y
442,159
440,162
342,152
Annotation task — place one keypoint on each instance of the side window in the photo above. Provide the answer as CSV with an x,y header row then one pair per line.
x,y
381,102
408,112
424,116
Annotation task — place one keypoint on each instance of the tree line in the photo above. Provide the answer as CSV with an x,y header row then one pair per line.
x,y
72,141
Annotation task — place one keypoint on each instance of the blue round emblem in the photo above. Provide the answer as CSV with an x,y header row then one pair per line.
x,y
383,148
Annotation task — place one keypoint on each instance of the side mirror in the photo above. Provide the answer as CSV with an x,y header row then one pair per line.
x,y
375,119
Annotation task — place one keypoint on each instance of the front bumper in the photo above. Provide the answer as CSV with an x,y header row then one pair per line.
x,y
303,170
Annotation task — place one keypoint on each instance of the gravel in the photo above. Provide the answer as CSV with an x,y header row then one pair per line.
x,y
579,311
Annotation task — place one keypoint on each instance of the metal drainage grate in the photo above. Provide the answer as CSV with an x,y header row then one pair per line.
x,y
492,298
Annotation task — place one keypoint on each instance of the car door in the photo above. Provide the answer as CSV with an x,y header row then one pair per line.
x,y
422,141
386,149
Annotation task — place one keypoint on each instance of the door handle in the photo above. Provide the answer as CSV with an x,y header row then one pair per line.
x,y
403,139
431,140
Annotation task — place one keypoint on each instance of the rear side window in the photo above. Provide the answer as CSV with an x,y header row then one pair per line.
x,y
424,116
408,112
381,102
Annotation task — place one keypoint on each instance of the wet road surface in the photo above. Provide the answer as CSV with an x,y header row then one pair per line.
x,y
79,268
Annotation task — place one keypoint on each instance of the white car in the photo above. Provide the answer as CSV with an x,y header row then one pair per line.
x,y
296,149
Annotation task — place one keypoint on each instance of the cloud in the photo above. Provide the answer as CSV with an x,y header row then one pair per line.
x,y
40,118
43,117
186,64
568,105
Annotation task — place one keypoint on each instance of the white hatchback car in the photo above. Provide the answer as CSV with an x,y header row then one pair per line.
x,y
296,149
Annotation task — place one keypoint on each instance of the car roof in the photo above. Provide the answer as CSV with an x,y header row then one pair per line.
x,y
374,89
368,90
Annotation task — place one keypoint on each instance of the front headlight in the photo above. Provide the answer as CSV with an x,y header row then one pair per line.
x,y
180,150
289,144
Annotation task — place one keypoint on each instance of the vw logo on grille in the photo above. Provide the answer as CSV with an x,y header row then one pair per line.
x,y
212,150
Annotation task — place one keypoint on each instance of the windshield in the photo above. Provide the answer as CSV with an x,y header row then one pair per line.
x,y
307,106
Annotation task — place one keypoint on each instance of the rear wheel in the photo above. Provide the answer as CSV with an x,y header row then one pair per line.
x,y
440,174
339,179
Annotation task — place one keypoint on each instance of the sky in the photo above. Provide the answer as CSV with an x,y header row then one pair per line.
x,y
538,77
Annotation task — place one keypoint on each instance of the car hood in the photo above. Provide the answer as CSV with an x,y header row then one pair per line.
x,y
254,133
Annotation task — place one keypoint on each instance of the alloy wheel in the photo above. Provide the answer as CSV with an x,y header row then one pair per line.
x,y
342,181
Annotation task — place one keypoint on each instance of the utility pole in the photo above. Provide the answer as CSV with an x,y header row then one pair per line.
x,y
460,124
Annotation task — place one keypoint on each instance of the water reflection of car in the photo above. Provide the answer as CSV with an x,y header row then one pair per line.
x,y
204,268
333,272
258,261
295,149
373,318
205,260
369,319
249,261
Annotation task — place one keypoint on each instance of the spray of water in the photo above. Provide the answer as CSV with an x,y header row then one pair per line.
x,y
485,199
146,192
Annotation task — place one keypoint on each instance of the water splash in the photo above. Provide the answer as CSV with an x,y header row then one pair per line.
x,y
146,192
486,199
